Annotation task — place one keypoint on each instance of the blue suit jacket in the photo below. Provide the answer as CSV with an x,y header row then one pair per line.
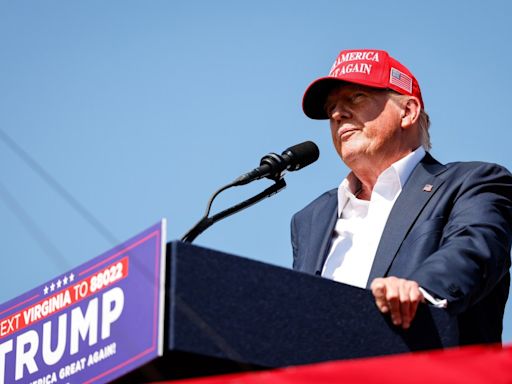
x,y
454,240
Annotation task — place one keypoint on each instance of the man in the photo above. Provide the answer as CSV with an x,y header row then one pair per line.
x,y
402,224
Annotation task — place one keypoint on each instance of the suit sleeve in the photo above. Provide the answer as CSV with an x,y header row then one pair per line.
x,y
474,250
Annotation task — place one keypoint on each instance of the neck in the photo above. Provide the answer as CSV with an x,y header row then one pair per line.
x,y
367,173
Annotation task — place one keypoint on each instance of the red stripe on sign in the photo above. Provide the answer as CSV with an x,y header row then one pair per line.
x,y
63,299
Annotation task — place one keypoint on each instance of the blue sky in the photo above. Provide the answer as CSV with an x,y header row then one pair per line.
x,y
141,109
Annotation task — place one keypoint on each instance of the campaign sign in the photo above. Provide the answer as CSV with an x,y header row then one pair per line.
x,y
92,324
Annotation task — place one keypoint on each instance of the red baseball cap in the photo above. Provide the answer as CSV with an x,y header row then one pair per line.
x,y
369,67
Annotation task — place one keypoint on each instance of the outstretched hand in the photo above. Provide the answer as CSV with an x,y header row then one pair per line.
x,y
398,297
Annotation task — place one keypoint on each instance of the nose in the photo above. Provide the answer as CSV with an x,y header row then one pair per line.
x,y
339,112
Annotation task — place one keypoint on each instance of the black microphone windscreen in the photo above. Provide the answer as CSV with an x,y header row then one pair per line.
x,y
302,155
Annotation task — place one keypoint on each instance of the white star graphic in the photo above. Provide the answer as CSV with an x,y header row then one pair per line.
x,y
52,287
71,277
65,280
45,290
59,283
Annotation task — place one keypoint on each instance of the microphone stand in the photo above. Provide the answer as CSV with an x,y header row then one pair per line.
x,y
205,222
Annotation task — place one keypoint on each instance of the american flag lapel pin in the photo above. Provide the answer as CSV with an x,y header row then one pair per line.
x,y
428,188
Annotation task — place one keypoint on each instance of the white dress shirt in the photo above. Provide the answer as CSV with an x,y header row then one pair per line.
x,y
360,223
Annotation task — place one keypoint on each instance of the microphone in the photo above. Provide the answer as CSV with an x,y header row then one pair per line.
x,y
274,166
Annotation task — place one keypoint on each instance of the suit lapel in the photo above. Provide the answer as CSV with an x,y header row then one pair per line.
x,y
418,190
323,221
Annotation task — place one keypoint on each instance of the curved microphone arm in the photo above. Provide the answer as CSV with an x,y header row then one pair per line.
x,y
205,222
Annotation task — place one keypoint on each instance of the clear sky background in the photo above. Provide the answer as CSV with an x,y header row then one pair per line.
x,y
136,110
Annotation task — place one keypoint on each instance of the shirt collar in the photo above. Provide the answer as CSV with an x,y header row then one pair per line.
x,y
398,174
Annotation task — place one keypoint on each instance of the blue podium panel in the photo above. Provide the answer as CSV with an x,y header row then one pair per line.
x,y
235,309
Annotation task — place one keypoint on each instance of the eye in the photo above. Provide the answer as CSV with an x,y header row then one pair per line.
x,y
329,108
358,96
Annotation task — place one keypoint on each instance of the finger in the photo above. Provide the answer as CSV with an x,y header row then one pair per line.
x,y
416,298
379,293
405,303
393,299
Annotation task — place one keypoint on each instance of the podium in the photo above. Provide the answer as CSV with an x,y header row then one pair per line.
x,y
225,313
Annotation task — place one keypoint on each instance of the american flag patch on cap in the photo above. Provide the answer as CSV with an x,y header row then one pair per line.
x,y
401,80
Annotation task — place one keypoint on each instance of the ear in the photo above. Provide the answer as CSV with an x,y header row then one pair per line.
x,y
410,112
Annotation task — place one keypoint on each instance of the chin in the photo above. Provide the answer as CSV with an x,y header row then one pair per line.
x,y
350,150
348,157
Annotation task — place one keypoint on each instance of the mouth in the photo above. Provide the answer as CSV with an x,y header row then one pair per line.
x,y
345,133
